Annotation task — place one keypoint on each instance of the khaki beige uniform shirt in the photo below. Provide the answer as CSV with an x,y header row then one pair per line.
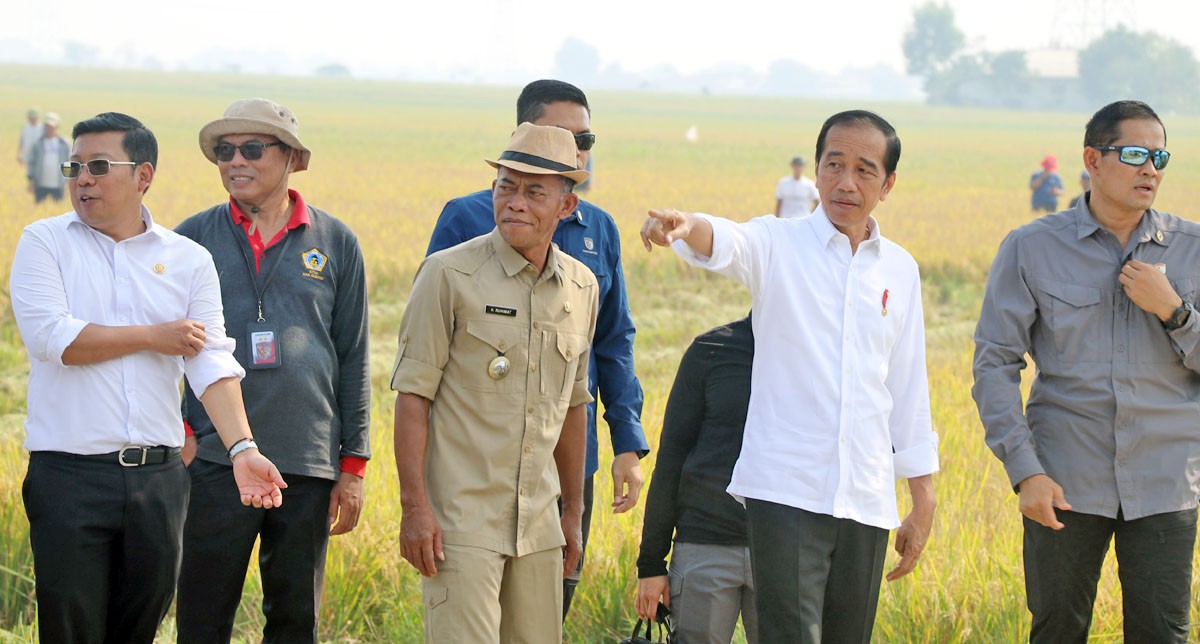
x,y
490,471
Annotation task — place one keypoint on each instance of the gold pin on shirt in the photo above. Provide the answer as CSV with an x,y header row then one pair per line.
x,y
160,269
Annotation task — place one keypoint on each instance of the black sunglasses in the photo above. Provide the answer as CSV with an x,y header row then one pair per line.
x,y
251,151
95,167
585,141
1137,155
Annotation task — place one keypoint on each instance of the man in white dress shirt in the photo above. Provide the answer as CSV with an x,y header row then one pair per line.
x,y
839,401
113,310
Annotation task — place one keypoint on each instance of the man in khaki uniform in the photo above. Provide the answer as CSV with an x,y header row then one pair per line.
x,y
490,428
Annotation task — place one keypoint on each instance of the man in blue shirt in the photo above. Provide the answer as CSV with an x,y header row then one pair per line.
x,y
591,237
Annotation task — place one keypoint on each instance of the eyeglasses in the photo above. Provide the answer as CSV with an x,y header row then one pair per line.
x,y
1137,155
585,141
95,167
251,151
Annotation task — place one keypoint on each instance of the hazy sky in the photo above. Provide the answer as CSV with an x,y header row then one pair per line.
x,y
486,36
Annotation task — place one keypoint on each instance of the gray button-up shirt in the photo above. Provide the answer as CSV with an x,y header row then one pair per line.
x,y
1114,411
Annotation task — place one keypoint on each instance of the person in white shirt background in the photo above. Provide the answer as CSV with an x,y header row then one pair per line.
x,y
796,195
839,399
31,131
113,309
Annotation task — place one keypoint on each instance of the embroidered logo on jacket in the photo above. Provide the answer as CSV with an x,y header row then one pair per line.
x,y
314,263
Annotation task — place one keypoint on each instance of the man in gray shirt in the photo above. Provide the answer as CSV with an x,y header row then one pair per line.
x,y
1101,296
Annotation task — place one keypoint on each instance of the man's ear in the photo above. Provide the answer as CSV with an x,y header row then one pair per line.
x,y
570,203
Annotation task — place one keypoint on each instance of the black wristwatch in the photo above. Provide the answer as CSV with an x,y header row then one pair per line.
x,y
1180,317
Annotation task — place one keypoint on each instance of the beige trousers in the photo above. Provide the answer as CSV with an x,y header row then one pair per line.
x,y
480,597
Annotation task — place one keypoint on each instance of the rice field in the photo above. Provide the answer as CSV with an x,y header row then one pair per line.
x,y
386,156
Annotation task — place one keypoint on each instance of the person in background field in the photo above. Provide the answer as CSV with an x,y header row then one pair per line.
x,y
1046,186
710,580
591,237
1106,448
294,286
491,409
796,195
114,309
30,132
1085,184
44,162
824,444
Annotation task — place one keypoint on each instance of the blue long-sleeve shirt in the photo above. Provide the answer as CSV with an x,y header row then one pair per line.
x,y
591,237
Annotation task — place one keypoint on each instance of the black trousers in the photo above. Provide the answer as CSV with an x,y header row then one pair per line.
x,y
217,542
569,583
1154,557
816,577
106,542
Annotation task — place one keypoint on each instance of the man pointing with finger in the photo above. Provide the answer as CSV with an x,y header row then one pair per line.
x,y
1101,296
839,402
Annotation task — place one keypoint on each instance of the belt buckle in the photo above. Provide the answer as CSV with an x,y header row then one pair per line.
x,y
142,461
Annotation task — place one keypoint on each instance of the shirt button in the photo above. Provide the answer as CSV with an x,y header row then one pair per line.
x,y
536,325
528,449
1120,348
1120,387
533,367
522,491
529,409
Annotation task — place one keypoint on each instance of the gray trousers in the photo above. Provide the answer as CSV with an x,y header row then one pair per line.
x,y
710,586
817,577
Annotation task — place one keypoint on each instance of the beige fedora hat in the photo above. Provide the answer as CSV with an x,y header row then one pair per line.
x,y
255,116
542,149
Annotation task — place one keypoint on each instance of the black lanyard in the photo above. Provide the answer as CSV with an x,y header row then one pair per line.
x,y
287,239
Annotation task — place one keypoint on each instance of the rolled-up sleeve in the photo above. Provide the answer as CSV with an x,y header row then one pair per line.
x,y
215,361
911,424
425,333
1002,339
39,299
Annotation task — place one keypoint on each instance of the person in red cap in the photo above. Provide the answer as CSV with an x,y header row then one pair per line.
x,y
1046,186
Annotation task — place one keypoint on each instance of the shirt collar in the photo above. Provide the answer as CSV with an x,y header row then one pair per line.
x,y
147,220
825,230
299,216
1150,228
514,262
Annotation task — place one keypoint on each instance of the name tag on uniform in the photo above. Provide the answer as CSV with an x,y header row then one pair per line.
x,y
492,309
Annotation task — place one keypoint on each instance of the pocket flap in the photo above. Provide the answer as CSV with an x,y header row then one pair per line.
x,y
500,337
1073,294
571,345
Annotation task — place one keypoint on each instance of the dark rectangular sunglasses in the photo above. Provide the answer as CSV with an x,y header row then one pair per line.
x,y
95,167
585,141
251,151
1137,155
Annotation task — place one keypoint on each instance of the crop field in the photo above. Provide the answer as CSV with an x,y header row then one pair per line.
x,y
386,157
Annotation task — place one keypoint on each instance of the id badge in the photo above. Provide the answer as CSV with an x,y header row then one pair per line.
x,y
264,347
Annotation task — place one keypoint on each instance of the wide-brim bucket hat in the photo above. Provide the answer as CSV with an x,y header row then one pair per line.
x,y
255,116
542,149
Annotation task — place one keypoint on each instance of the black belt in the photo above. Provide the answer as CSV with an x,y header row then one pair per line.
x,y
135,455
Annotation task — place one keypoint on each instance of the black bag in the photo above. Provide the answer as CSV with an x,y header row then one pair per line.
x,y
666,629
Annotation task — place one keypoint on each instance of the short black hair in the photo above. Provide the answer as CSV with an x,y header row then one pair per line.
x,y
1104,128
531,104
891,157
139,141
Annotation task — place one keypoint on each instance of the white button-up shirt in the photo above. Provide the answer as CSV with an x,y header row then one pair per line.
x,y
839,401
66,275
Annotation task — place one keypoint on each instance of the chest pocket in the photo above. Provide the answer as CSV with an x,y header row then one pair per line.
x,y
560,355
489,340
1076,320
